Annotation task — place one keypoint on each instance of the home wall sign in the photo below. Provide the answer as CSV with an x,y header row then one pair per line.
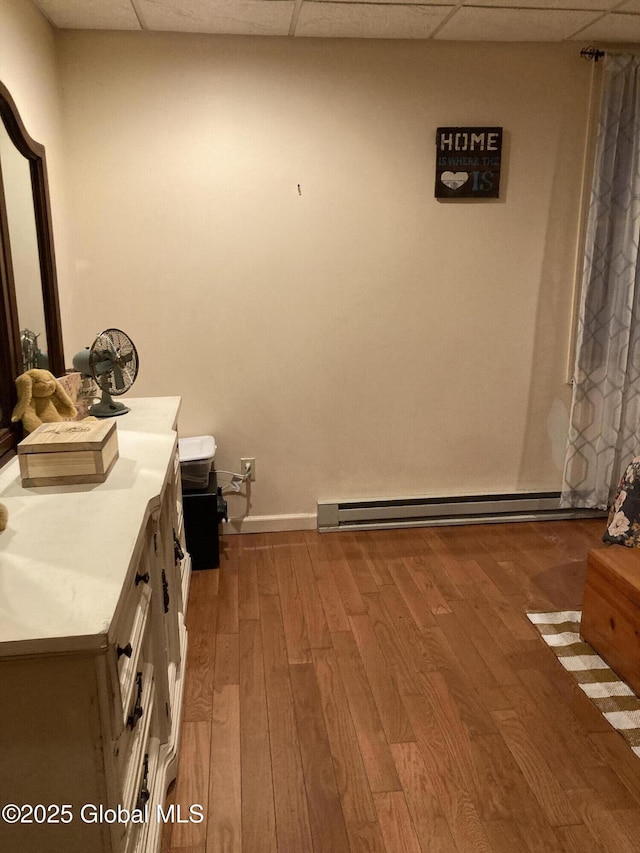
x,y
468,162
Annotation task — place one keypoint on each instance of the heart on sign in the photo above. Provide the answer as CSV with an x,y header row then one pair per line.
x,y
454,180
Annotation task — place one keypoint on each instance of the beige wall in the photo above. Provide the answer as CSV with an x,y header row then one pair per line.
x,y
361,339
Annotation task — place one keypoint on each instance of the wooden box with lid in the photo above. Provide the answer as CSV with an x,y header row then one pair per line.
x,y
611,610
68,452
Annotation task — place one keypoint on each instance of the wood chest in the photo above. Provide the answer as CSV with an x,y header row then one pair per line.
x,y
68,452
611,610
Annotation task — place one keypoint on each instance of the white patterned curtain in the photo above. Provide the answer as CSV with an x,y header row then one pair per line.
x,y
604,432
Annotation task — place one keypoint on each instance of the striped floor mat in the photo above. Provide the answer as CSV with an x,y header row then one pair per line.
x,y
619,705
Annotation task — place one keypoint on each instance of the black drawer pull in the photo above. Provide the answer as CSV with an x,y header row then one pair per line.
x,y
127,651
144,794
165,591
142,578
138,711
178,553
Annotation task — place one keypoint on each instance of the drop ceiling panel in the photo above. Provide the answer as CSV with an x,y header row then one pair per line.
x,y
90,14
613,27
542,5
471,23
241,17
475,20
379,20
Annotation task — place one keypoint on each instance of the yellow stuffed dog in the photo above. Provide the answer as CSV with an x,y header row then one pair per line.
x,y
41,399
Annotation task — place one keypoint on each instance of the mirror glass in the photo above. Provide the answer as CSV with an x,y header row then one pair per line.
x,y
21,221
30,327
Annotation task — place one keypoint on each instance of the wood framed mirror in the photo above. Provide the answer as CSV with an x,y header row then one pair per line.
x,y
31,333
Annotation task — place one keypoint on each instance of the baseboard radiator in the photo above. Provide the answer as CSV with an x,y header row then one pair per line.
x,y
433,512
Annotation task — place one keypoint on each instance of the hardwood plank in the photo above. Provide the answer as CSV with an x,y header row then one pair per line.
x,y
438,656
494,766
508,796
539,776
328,828
224,819
292,816
615,751
424,580
428,818
248,593
503,836
314,613
393,715
507,627
412,595
543,659
226,661
486,646
374,747
376,562
360,564
359,811
349,592
614,830
548,741
398,636
455,737
578,839
295,629
265,565
202,613
561,718
228,600
199,673
333,606
186,850
258,811
453,570
395,822
192,784
450,785
469,658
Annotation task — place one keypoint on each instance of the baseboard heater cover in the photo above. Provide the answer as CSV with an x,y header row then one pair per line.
x,y
425,512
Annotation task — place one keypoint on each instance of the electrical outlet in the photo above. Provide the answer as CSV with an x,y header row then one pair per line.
x,y
248,464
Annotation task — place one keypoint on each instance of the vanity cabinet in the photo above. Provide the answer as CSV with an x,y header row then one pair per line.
x,y
94,582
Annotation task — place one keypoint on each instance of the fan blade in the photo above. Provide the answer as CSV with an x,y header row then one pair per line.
x,y
117,377
103,366
125,357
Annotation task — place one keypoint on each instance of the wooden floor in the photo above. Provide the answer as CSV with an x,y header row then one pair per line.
x,y
384,691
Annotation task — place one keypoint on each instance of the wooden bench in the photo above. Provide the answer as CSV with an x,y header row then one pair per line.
x,y
611,610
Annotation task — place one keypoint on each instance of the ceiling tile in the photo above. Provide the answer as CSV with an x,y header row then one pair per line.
x,y
379,20
365,3
471,23
613,27
90,14
574,5
241,17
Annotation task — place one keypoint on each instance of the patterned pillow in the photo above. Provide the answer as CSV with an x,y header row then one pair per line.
x,y
623,524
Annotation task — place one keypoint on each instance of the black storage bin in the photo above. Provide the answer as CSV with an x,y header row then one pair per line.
x,y
203,511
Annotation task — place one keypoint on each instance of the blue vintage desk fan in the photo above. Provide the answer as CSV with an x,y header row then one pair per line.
x,y
112,362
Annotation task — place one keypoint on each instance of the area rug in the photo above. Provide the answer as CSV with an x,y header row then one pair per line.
x,y
617,702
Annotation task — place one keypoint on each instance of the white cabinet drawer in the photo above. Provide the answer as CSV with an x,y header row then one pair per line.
x,y
128,648
139,712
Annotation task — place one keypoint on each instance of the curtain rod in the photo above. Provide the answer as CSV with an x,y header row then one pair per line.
x,y
591,53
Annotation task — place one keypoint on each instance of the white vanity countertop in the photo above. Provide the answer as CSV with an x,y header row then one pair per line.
x,y
67,549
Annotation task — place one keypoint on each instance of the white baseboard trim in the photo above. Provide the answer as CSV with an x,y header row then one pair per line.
x,y
271,523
